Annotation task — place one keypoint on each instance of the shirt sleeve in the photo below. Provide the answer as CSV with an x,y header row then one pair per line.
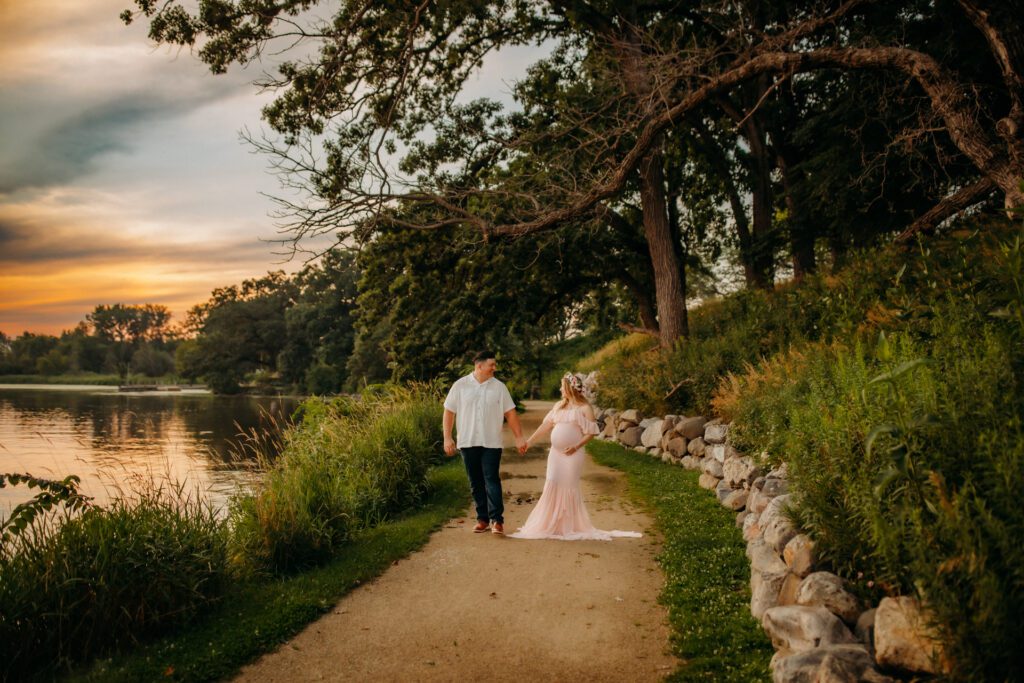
x,y
451,401
507,403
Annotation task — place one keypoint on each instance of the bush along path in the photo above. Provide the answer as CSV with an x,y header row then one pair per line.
x,y
821,630
483,607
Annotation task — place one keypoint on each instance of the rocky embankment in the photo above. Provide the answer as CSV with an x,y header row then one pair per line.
x,y
821,630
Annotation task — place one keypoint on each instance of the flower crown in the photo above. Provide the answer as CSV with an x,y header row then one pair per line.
x,y
574,381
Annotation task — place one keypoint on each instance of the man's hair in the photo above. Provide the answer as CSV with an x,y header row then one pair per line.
x,y
481,356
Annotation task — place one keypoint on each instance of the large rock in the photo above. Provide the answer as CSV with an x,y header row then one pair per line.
x,y
712,467
691,427
799,554
776,526
799,628
648,421
865,629
708,481
631,415
790,588
696,447
716,433
902,638
775,487
653,431
758,501
826,589
677,446
631,437
715,451
723,491
751,525
740,471
764,592
763,559
611,427
736,500
689,462
829,664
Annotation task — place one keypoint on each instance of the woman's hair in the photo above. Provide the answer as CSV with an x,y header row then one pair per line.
x,y
572,389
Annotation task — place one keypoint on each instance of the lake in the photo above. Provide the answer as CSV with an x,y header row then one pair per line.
x,y
113,440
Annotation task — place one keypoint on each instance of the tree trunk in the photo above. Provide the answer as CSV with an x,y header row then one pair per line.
x,y
644,303
801,237
669,291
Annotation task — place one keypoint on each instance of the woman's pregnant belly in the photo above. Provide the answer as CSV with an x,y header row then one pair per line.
x,y
565,435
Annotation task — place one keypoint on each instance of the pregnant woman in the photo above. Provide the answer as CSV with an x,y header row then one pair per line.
x,y
560,512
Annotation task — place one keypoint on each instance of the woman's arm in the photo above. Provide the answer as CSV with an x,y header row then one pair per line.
x,y
544,429
588,411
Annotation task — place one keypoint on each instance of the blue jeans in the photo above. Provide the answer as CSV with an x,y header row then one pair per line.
x,y
482,467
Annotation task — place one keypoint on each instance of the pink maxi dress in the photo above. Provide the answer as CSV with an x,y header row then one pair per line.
x,y
560,512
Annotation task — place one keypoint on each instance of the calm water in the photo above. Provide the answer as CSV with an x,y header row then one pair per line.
x,y
112,440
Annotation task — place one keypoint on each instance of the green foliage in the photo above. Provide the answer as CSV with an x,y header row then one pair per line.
x,y
77,585
707,574
51,493
906,451
348,465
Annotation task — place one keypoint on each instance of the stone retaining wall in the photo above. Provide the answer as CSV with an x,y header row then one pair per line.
x,y
821,631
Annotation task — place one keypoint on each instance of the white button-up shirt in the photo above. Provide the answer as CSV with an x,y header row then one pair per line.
x,y
479,410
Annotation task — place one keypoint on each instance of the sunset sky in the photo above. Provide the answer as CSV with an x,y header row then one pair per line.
x,y
122,174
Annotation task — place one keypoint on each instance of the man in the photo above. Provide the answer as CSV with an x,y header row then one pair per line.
x,y
480,403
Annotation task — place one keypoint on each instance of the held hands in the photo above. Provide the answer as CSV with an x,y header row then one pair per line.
x,y
449,447
522,445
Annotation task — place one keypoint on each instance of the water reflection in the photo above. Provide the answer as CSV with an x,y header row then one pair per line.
x,y
112,440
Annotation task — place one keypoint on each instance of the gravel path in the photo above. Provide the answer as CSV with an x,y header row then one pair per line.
x,y
482,607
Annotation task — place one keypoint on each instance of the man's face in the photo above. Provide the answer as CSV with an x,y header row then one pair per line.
x,y
487,367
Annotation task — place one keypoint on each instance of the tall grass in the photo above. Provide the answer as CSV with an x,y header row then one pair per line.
x,y
349,464
906,450
76,585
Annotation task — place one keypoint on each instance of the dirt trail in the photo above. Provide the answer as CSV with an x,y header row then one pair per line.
x,y
478,606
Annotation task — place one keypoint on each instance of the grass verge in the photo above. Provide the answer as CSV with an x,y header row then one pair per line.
x,y
707,575
256,616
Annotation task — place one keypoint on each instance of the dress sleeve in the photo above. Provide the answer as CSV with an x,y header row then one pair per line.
x,y
586,425
549,418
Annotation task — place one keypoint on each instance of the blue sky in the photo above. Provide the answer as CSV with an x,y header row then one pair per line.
x,y
123,177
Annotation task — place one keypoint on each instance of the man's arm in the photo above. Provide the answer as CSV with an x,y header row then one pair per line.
x,y
513,422
446,426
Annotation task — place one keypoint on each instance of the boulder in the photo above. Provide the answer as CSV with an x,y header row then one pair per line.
x,y
758,483
654,452
666,457
790,587
800,628
653,431
826,589
799,554
677,446
640,449
830,664
691,427
740,472
696,447
780,472
689,462
631,415
707,481
902,638
716,433
715,451
751,525
775,487
758,501
740,516
631,437
764,560
712,467
648,421
764,591
736,500
722,491
670,421
865,629
777,528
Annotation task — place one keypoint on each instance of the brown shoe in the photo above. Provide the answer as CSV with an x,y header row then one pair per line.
x,y
498,529
480,527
